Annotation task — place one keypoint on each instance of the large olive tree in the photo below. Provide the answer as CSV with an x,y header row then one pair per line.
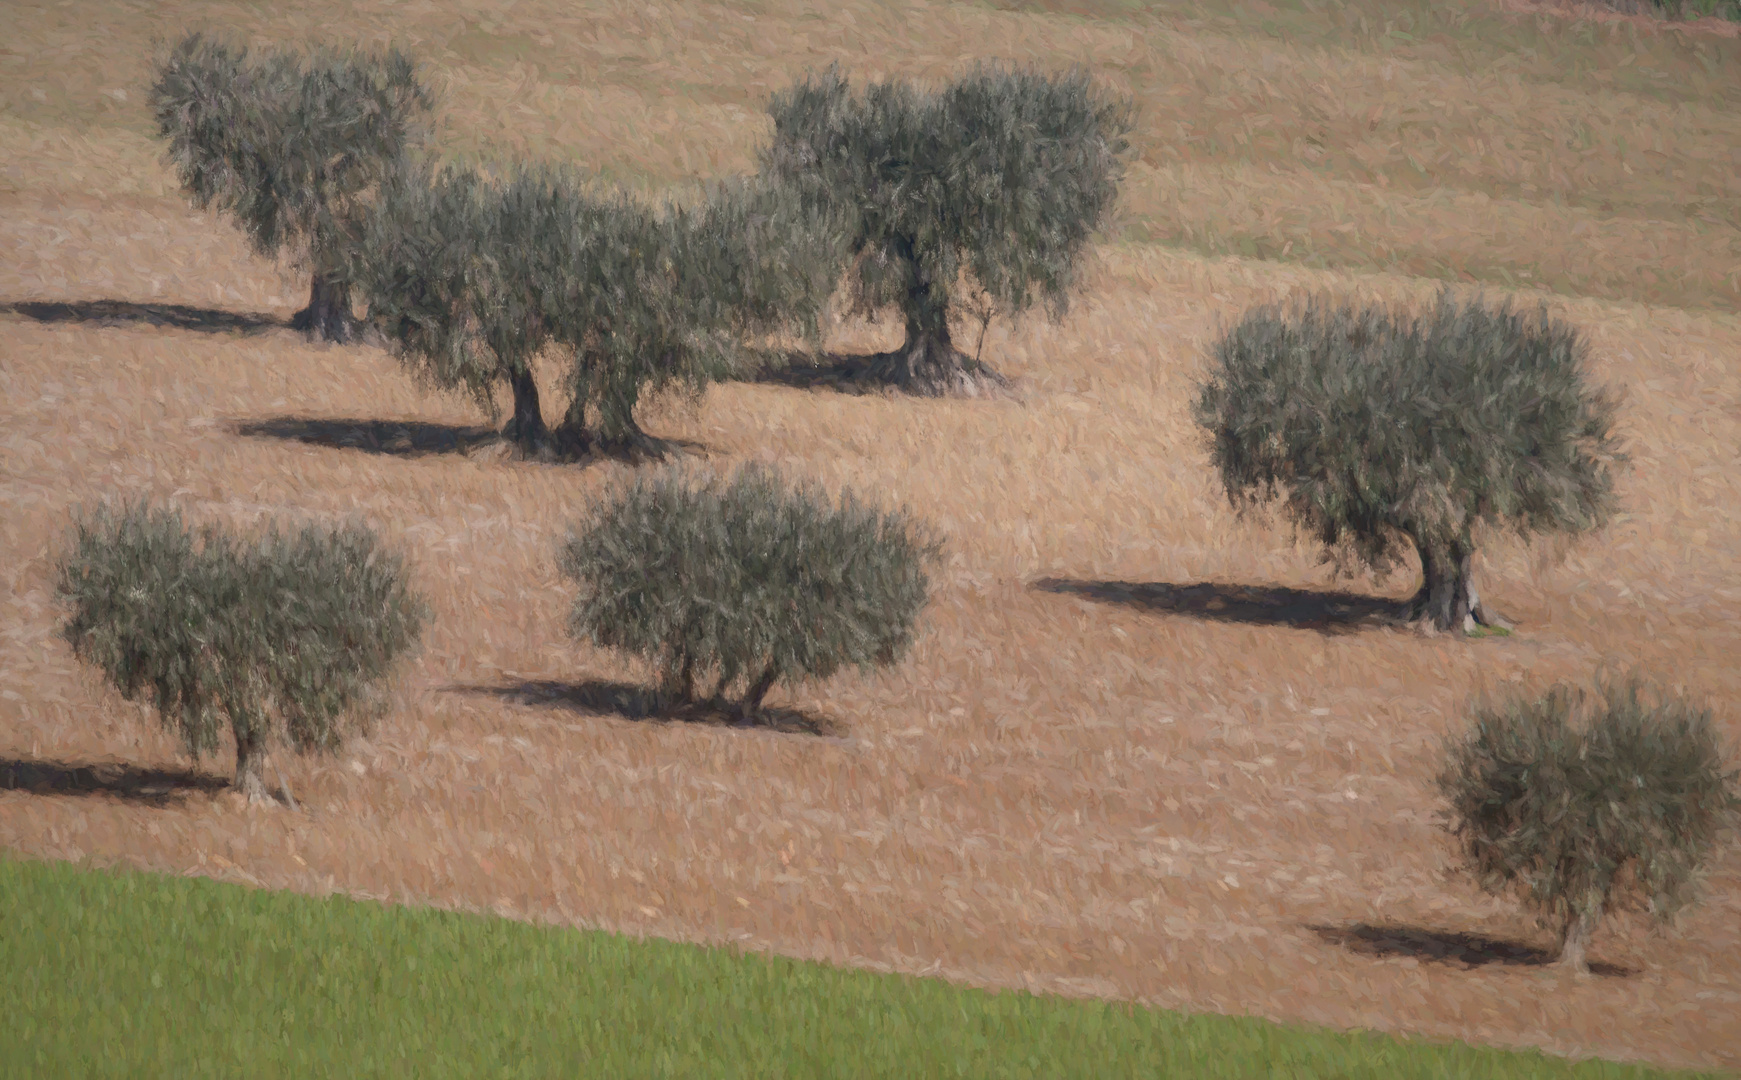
x,y
291,146
995,182
1385,433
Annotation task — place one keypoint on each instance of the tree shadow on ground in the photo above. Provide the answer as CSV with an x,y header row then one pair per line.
x,y
859,374
157,787
417,438
596,697
1257,605
127,313
830,371
1446,947
400,438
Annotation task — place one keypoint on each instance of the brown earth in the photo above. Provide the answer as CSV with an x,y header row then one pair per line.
x,y
1144,749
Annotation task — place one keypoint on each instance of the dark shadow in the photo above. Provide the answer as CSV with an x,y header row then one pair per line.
x,y
830,371
1446,947
155,786
402,438
640,450
869,373
126,313
1259,605
596,697
416,438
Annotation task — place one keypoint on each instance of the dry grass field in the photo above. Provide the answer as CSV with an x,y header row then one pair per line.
x,y
1144,749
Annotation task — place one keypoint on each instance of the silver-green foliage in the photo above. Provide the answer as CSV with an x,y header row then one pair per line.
x,y
1003,173
452,264
1621,808
284,635
285,143
475,274
1382,431
746,577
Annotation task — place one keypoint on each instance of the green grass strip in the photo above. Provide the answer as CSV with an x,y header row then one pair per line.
x,y
131,974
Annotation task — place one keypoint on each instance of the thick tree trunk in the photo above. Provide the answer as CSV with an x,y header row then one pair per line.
x,y
679,685
1575,943
328,315
618,433
526,430
752,703
250,755
928,363
571,437
1447,596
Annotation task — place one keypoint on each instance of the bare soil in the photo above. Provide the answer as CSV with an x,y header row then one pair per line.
x,y
1144,749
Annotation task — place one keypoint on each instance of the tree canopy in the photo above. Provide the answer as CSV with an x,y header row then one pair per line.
x,y
286,636
1384,432
289,146
1583,818
475,274
998,179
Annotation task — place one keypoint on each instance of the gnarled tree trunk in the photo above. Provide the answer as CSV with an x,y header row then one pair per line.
x,y
526,430
1447,596
1575,943
751,706
571,436
328,316
928,363
250,756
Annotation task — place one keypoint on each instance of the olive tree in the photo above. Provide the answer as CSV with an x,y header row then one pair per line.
x,y
747,577
291,147
474,275
452,265
668,299
283,637
1620,808
995,182
1385,432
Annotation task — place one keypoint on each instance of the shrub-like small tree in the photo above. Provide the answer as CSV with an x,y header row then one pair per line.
x,y
290,147
747,578
283,638
999,178
1619,809
1384,433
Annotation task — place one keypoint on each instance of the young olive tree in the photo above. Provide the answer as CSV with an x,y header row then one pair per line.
x,y
1384,433
1581,820
291,147
283,638
746,577
999,178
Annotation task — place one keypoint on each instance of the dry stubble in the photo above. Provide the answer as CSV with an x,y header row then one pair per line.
x,y
1060,789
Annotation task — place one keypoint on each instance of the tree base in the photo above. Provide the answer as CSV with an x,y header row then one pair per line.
x,y
327,326
328,315
1476,614
251,787
926,370
636,447
530,441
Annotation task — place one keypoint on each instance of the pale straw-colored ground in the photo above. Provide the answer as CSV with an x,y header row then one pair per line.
x,y
1155,791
